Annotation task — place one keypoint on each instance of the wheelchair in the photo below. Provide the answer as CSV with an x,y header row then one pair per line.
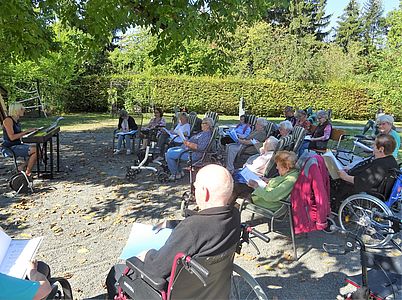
x,y
361,213
213,277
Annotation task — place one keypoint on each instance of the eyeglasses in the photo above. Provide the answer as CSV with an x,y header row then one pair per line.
x,y
383,123
204,122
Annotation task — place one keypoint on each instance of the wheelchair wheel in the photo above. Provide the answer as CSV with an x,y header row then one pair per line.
x,y
244,286
131,174
162,177
357,215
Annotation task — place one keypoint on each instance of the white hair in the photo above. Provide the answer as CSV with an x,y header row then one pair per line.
x,y
287,125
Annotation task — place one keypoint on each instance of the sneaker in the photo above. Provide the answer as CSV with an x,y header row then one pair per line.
x,y
173,177
116,151
128,152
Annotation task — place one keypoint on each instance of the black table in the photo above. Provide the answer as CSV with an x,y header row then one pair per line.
x,y
43,137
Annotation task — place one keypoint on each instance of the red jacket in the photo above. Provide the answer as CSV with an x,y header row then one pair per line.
x,y
310,197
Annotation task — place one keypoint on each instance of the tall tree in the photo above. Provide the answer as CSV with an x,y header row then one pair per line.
x,y
24,24
373,25
308,17
349,26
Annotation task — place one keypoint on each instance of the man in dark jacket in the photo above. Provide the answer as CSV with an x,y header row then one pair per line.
x,y
211,231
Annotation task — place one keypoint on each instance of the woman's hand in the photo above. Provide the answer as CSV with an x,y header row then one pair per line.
x,y
344,176
266,180
252,183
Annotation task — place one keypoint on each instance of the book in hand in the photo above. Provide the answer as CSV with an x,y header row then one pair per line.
x,y
233,135
128,132
171,135
333,165
144,237
16,253
181,134
250,175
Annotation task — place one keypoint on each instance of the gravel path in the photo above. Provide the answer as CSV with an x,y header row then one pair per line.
x,y
85,215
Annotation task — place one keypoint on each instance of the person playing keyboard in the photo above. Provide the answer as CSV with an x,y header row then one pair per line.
x,y
12,134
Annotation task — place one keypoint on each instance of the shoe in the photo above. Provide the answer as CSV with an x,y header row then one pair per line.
x,y
174,177
116,151
128,152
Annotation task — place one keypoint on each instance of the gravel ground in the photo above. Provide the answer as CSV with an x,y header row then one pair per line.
x,y
85,215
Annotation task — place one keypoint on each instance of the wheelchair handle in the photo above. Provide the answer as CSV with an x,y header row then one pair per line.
x,y
197,267
258,234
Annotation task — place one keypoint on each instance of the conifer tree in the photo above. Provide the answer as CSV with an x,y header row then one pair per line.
x,y
373,25
308,17
349,26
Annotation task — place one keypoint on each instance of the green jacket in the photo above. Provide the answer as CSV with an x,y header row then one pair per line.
x,y
278,188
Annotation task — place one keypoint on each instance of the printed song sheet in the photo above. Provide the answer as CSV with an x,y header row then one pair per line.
x,y
250,175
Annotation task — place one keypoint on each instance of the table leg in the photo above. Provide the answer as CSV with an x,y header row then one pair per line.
x,y
38,155
58,152
51,157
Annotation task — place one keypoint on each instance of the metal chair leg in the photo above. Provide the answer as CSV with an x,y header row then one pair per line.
x,y
292,232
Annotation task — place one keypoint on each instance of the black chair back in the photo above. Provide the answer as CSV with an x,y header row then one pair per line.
x,y
298,135
220,267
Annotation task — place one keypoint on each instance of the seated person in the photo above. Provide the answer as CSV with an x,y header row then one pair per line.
x,y
164,137
280,187
126,124
301,120
258,135
369,175
37,287
258,163
385,125
290,115
154,123
196,143
322,133
284,128
214,229
12,135
242,131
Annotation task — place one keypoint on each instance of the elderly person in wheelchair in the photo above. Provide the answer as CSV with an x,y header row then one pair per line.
x,y
279,187
214,229
196,143
368,175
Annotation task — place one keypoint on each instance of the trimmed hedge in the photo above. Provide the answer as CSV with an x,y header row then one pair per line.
x,y
200,94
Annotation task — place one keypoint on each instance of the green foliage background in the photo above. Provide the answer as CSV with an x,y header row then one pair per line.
x,y
263,97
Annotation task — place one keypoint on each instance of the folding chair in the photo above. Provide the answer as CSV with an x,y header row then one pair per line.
x,y
298,135
279,215
284,144
213,115
192,118
138,117
270,128
251,120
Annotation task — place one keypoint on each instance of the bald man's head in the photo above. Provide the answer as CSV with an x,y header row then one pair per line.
x,y
214,186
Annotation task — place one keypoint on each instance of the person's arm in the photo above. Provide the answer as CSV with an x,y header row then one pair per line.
x,y
8,125
44,285
278,192
131,123
344,176
326,136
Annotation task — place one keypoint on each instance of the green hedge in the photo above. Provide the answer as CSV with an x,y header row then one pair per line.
x,y
200,94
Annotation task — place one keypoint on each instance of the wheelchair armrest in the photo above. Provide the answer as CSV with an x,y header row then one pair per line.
x,y
135,264
285,201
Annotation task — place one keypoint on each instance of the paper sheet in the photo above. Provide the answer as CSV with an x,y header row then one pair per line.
x,y
181,135
333,165
172,136
250,175
232,133
128,132
18,254
143,238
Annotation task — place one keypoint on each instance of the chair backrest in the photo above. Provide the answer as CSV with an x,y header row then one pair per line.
x,y
187,285
213,115
270,128
284,144
251,120
211,147
192,117
298,135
